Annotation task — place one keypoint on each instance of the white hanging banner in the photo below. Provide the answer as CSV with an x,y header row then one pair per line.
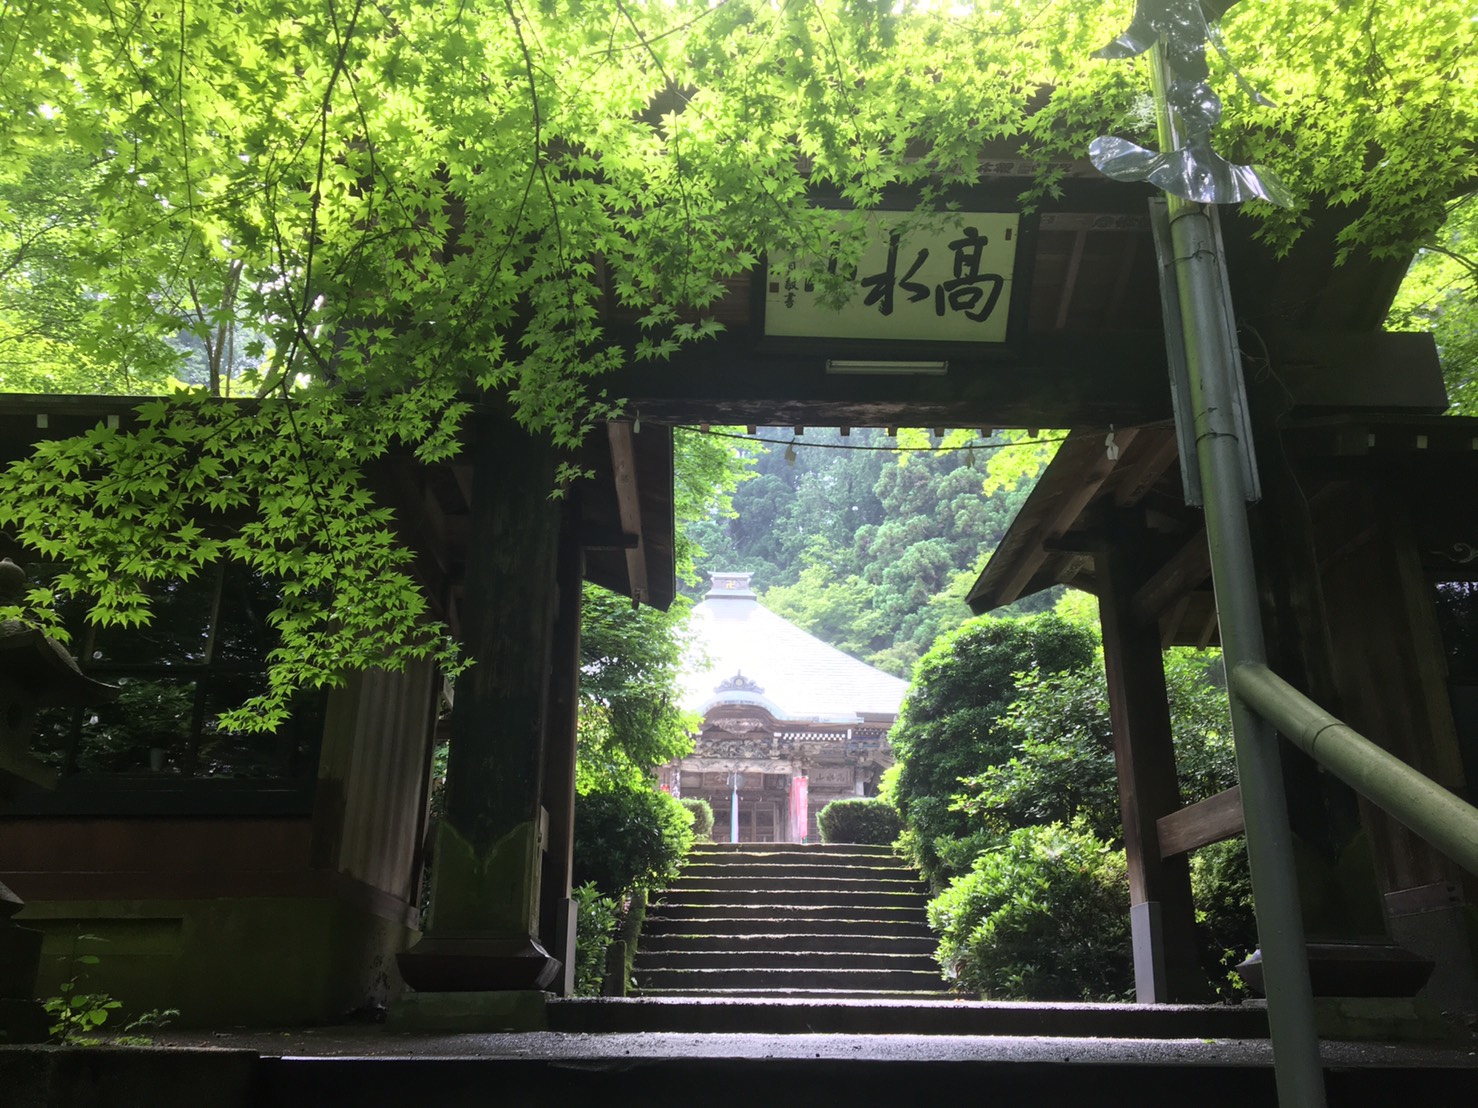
x,y
946,279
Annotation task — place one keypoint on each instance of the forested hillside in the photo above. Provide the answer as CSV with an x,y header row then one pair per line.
x,y
869,549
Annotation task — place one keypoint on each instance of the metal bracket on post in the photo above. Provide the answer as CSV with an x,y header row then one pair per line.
x,y
1175,357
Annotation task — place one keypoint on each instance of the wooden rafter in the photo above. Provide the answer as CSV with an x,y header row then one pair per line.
x,y
1055,522
1070,279
1127,257
1141,476
1186,569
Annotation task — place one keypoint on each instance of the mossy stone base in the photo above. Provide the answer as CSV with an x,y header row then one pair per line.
x,y
493,890
1379,1019
514,1010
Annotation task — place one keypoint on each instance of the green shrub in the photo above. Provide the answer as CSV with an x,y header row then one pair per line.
x,y
628,838
702,817
859,820
956,856
594,927
1041,916
1225,923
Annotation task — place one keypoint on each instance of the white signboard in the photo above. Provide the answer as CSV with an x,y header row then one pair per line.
x,y
947,283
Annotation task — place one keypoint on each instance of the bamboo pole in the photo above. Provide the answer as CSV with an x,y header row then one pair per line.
x,y
1212,364
1446,821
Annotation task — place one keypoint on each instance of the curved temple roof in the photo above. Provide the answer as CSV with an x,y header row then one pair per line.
x,y
756,657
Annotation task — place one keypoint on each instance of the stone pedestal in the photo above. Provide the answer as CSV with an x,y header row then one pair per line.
x,y
511,1010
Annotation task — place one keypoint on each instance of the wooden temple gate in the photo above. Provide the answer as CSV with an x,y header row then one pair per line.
x,y
1343,560
1086,351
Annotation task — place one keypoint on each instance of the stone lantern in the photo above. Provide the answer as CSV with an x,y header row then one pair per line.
x,y
35,672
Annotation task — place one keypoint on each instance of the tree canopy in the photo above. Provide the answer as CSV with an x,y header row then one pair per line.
x,y
406,197
376,212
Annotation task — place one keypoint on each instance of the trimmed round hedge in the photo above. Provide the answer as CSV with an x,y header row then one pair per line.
x,y
628,838
859,820
702,817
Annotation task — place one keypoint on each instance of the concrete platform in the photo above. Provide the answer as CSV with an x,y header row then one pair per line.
x,y
373,1066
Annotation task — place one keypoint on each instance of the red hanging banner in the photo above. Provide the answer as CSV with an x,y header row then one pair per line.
x,y
800,812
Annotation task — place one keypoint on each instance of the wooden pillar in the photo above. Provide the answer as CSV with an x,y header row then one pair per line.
x,y
557,913
1161,911
483,930
1390,664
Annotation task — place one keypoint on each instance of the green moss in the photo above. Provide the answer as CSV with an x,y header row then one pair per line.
x,y
494,892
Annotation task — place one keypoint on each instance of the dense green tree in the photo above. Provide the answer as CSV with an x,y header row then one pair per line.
x,y
953,725
630,659
58,332
1061,768
629,838
835,609
417,206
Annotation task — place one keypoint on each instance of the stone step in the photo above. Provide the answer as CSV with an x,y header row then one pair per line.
x,y
819,850
798,922
778,902
842,1013
674,909
650,960
371,1068
862,856
861,979
747,920
779,939
797,869
785,884
927,996
886,862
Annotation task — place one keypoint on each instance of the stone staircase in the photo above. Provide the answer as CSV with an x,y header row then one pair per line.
x,y
771,921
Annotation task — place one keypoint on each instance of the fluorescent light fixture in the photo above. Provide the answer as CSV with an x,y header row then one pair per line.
x,y
933,369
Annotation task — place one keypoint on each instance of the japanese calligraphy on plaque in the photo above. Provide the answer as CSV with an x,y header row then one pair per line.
x,y
950,282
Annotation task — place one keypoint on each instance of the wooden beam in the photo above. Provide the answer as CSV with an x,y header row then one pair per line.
x,y
1056,522
1201,824
1075,566
1385,371
1051,379
561,721
1186,569
628,501
495,821
1074,542
607,538
1140,477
